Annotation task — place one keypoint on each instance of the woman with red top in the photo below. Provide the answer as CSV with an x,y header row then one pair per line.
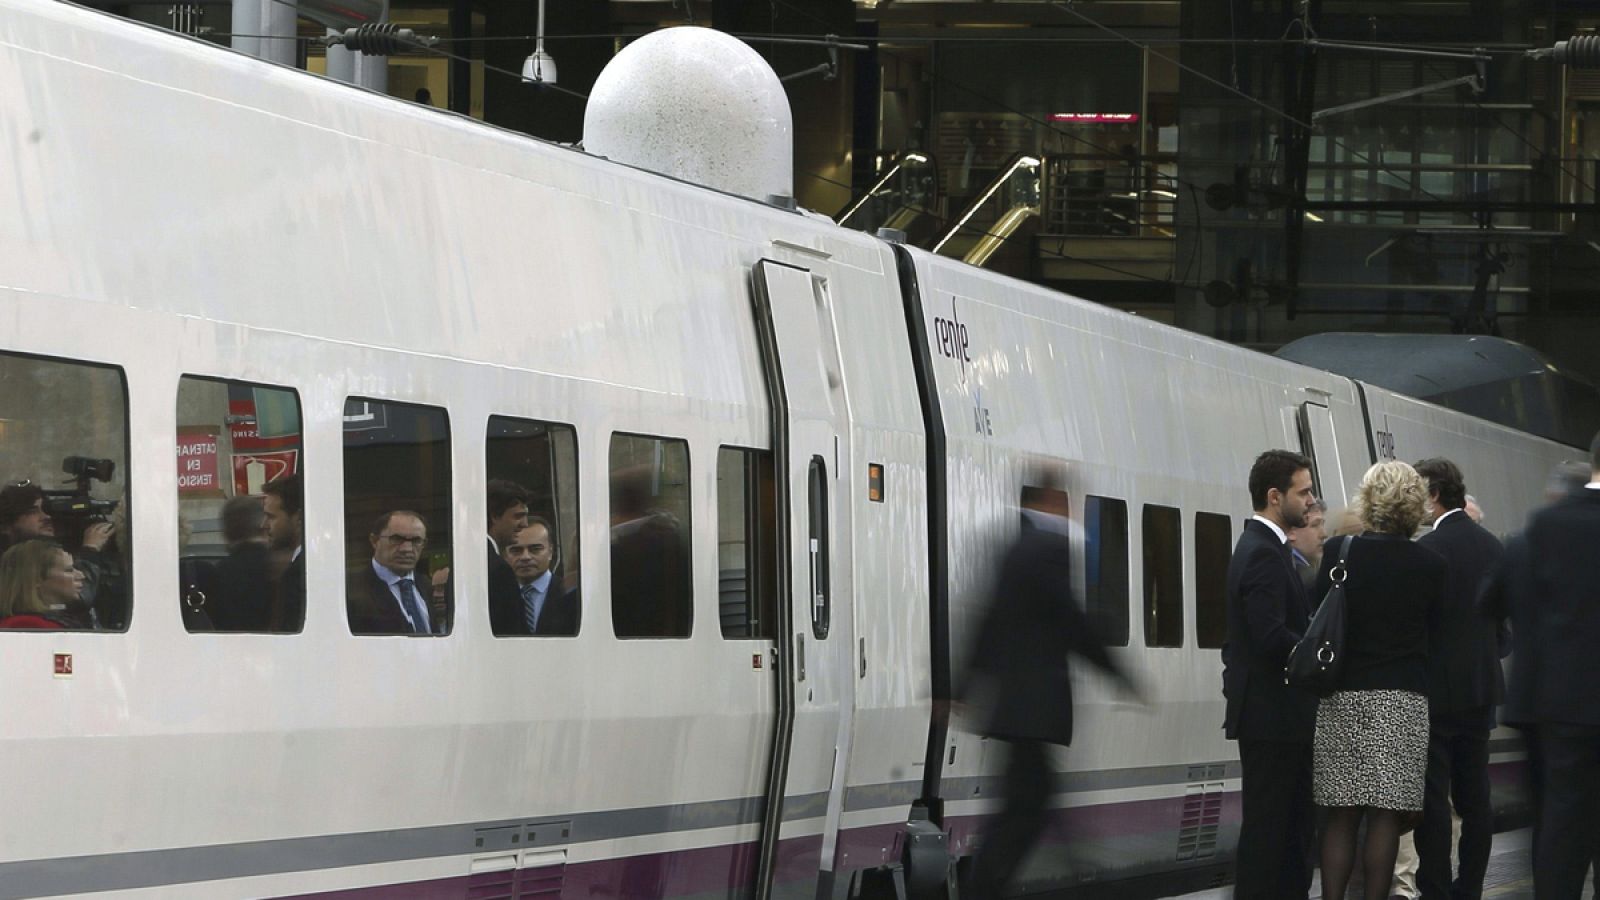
x,y
40,587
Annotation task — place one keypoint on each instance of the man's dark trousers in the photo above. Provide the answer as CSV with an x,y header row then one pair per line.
x,y
1569,834
1029,789
1458,773
1275,846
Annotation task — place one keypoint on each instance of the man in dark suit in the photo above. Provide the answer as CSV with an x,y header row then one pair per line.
x,y
1464,684
542,607
508,514
282,508
652,592
1555,621
1267,613
385,596
243,595
1508,598
1018,682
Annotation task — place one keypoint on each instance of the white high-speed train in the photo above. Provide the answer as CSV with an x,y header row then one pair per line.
x,y
292,276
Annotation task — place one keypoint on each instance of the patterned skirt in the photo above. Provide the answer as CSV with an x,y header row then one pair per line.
x,y
1371,749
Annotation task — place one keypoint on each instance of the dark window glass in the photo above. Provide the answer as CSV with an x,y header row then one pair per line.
x,y
1213,547
1163,577
397,518
652,590
1105,526
821,606
747,551
63,513
533,528
240,507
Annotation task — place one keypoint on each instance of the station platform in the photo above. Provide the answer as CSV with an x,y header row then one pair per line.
x,y
1510,873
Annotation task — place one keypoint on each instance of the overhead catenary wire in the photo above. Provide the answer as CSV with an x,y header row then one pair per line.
x,y
801,37
1115,36
1067,8
879,42
542,85
1119,37
1498,121
980,232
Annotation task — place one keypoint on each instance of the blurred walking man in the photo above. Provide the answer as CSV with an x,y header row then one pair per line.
x,y
1555,623
1018,681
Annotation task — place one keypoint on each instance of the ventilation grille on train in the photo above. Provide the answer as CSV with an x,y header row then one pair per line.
x,y
517,884
1202,813
544,881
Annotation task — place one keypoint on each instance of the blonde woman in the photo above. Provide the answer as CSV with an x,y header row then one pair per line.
x,y
40,587
1370,751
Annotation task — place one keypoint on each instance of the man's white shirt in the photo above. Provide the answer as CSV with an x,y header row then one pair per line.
x,y
1282,538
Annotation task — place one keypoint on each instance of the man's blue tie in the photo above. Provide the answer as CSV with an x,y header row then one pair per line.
x,y
530,614
408,602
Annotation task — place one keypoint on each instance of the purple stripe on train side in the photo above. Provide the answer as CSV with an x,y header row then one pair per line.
x,y
702,871
720,871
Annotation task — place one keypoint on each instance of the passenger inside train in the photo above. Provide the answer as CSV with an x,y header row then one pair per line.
x,y
245,580
397,518
532,585
239,458
547,607
507,503
386,597
651,591
282,505
40,587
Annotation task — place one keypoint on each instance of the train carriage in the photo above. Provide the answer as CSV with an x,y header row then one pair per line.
x,y
293,277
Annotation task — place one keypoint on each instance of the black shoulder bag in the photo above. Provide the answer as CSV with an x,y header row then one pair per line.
x,y
1316,661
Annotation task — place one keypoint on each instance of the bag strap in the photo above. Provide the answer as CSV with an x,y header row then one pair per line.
x,y
1341,570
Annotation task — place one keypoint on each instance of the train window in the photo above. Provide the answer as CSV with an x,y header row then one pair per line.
x,y
533,528
240,528
1213,547
397,518
821,605
747,549
652,592
1163,577
1105,530
63,514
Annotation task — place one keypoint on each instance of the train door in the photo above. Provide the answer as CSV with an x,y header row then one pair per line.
x,y
1318,441
815,625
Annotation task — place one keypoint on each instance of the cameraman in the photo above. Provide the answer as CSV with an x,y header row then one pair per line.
x,y
23,517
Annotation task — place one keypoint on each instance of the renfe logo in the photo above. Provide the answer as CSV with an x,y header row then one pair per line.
x,y
950,337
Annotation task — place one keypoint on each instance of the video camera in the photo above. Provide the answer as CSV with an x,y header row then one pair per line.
x,y
76,505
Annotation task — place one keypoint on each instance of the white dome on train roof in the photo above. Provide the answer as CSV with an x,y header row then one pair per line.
x,y
699,105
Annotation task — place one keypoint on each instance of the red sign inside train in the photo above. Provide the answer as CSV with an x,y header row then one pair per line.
x,y
253,470
1092,117
197,461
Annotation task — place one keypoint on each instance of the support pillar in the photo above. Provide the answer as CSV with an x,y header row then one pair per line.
x,y
265,29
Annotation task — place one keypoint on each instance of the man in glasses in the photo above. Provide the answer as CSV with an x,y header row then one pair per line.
x,y
385,596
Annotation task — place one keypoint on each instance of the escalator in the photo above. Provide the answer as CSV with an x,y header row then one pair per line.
x,y
903,198
1007,203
